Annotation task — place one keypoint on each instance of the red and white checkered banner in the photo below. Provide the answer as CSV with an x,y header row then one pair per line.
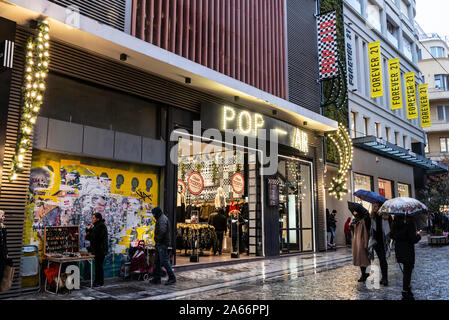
x,y
327,45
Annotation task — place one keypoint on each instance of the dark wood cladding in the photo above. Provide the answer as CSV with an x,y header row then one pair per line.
x,y
244,39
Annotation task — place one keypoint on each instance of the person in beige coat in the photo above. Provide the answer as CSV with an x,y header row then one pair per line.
x,y
360,227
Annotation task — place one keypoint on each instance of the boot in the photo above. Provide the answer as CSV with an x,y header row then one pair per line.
x,y
407,295
170,281
363,277
384,281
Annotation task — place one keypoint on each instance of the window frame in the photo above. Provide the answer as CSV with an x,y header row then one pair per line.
x,y
445,144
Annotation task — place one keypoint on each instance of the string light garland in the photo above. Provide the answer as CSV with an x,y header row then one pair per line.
x,y
36,71
343,142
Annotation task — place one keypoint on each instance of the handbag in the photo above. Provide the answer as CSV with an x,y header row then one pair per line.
x,y
8,276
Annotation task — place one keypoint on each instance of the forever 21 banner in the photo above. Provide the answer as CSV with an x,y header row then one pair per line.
x,y
327,45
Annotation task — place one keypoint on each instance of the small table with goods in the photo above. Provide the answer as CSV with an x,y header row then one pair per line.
x,y
62,245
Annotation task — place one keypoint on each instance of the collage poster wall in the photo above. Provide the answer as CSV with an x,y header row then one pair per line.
x,y
66,190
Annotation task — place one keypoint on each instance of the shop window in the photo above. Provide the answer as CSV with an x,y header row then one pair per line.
x,y
386,188
404,190
363,182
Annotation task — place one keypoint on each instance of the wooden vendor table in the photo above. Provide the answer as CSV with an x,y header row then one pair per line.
x,y
66,259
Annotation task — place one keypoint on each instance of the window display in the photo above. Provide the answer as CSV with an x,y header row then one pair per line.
x,y
386,188
363,182
404,190
213,208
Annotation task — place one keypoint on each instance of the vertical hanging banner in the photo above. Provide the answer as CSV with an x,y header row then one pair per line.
x,y
423,90
350,65
375,69
395,84
412,107
327,45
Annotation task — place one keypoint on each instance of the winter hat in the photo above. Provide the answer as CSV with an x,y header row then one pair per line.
x,y
157,212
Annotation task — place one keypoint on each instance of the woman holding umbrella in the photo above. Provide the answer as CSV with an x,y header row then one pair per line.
x,y
360,226
403,232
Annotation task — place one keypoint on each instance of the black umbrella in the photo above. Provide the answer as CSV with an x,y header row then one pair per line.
x,y
357,207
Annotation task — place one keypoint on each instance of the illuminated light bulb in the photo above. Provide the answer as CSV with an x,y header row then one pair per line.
x,y
46,37
47,29
38,75
20,165
30,54
22,150
42,86
14,176
33,120
25,141
29,77
40,55
45,64
34,85
20,157
46,54
43,75
41,47
36,109
28,69
40,34
28,86
39,65
39,98
46,45
33,94
30,45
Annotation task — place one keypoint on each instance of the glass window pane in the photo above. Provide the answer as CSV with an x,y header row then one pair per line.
x,y
385,188
443,146
440,111
373,13
438,82
447,113
362,182
404,190
356,5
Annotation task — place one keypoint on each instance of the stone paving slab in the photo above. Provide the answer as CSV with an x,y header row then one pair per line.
x,y
328,276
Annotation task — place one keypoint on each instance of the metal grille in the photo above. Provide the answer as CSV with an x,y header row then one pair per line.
x,y
13,195
302,54
110,12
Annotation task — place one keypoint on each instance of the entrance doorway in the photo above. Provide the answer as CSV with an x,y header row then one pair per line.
x,y
295,205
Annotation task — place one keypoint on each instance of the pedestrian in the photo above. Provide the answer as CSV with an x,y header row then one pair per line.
x,y
360,227
333,226
218,220
328,216
403,232
3,244
348,235
380,240
162,240
236,222
97,234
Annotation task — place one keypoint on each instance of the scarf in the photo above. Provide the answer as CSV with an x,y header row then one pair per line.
x,y
385,234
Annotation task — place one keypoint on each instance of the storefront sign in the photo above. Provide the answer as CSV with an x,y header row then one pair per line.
x,y
350,65
424,103
195,183
327,45
273,192
395,84
238,183
375,69
412,108
248,123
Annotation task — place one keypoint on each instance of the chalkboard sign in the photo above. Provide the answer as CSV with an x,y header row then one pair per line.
x,y
273,192
58,240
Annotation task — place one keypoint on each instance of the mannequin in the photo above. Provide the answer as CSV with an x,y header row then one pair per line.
x,y
3,246
181,206
220,201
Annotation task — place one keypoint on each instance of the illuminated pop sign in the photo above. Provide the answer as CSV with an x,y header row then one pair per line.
x,y
247,123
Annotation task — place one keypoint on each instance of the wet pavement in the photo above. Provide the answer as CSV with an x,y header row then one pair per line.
x,y
321,276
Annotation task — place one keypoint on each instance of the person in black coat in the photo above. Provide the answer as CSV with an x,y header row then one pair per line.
x,y
219,222
236,229
162,240
97,234
403,232
3,244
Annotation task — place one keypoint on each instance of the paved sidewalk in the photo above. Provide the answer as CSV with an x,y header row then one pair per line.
x,y
322,276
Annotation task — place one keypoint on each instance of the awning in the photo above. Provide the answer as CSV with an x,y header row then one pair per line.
x,y
389,150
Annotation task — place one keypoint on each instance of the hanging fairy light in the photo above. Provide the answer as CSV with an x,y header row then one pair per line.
x,y
343,142
36,69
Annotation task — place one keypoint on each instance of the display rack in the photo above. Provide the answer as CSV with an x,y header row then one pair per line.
x,y
61,239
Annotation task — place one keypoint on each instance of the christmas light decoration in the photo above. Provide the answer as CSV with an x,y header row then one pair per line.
x,y
36,70
343,142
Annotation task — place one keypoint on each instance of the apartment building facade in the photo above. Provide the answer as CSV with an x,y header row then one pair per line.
x,y
125,77
434,65
379,133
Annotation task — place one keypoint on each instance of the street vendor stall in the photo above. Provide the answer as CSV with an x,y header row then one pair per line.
x,y
62,246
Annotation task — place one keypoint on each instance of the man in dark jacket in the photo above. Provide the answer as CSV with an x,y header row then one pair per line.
x,y
219,222
98,238
162,239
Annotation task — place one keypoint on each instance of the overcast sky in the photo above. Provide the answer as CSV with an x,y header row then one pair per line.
x,y
433,16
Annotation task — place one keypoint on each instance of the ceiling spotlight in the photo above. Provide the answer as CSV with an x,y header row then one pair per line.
x,y
236,98
123,57
188,80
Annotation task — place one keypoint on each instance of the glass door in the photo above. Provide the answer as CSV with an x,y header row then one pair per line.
x,y
295,206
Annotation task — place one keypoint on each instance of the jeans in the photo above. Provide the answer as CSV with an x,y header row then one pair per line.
x,y
348,239
219,242
408,269
380,251
332,234
161,259
99,272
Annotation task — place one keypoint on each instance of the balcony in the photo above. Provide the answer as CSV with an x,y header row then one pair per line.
x,y
438,94
437,127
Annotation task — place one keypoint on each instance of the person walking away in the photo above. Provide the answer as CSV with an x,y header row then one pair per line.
x,y
219,221
97,234
380,240
162,240
360,256
403,232
348,235
236,221
3,244
333,226
328,215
